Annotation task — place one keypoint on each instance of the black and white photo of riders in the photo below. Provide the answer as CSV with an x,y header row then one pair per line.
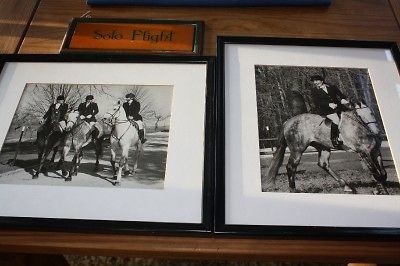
x,y
320,131
95,135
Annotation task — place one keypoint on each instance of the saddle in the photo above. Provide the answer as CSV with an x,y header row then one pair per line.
x,y
133,123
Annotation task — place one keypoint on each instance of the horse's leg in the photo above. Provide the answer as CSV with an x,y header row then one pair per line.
x,y
99,151
323,162
127,171
138,152
291,167
375,162
64,154
73,166
40,153
53,157
78,163
122,162
42,163
61,160
112,160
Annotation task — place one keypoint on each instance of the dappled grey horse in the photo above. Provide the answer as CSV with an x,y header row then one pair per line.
x,y
359,132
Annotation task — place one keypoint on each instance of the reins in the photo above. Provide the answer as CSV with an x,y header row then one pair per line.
x,y
359,120
113,115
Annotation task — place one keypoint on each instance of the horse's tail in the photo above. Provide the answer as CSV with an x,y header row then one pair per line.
x,y
277,159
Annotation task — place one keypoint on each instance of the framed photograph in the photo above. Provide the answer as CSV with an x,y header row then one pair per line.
x,y
107,142
310,144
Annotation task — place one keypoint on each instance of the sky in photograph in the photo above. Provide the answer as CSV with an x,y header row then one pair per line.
x,y
159,97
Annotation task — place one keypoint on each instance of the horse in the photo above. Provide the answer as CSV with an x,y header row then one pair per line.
x,y
48,138
123,135
359,132
79,135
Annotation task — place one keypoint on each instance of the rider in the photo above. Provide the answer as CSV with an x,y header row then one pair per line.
x,y
88,111
132,109
330,102
56,115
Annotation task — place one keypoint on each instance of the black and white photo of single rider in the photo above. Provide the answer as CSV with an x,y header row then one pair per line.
x,y
132,109
54,118
330,102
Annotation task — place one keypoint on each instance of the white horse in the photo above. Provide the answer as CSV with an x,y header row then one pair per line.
x,y
79,136
124,135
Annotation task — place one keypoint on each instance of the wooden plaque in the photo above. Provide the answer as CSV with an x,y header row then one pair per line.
x,y
138,36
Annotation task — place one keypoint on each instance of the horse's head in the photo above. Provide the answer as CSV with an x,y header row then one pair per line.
x,y
72,118
367,116
115,114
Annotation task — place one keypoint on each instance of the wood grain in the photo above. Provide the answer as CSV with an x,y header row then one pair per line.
x,y
396,9
344,19
199,247
14,17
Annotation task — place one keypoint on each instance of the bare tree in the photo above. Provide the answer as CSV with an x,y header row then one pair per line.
x,y
159,116
39,99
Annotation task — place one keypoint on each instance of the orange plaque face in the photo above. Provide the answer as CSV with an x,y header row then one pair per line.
x,y
177,37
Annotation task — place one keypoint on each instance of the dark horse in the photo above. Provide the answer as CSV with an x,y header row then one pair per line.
x,y
359,132
49,138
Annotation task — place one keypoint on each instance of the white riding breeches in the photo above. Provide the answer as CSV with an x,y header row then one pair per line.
x,y
140,124
334,117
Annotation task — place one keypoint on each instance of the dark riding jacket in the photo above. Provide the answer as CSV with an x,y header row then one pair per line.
x,y
133,110
322,100
54,114
91,109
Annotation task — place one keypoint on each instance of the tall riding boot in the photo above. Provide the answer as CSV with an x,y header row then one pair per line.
x,y
141,136
335,136
95,133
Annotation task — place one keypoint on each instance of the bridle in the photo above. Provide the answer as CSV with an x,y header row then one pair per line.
x,y
113,118
367,123
358,119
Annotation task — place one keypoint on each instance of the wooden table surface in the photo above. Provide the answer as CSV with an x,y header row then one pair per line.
x,y
215,247
344,19
15,16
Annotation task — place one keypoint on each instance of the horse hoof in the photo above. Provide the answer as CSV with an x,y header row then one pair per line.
x,y
68,179
348,189
117,184
379,192
35,176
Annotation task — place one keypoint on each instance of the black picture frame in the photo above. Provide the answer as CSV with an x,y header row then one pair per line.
x,y
101,226
262,230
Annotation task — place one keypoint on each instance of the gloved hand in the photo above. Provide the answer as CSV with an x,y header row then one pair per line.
x,y
344,101
82,117
333,105
88,116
